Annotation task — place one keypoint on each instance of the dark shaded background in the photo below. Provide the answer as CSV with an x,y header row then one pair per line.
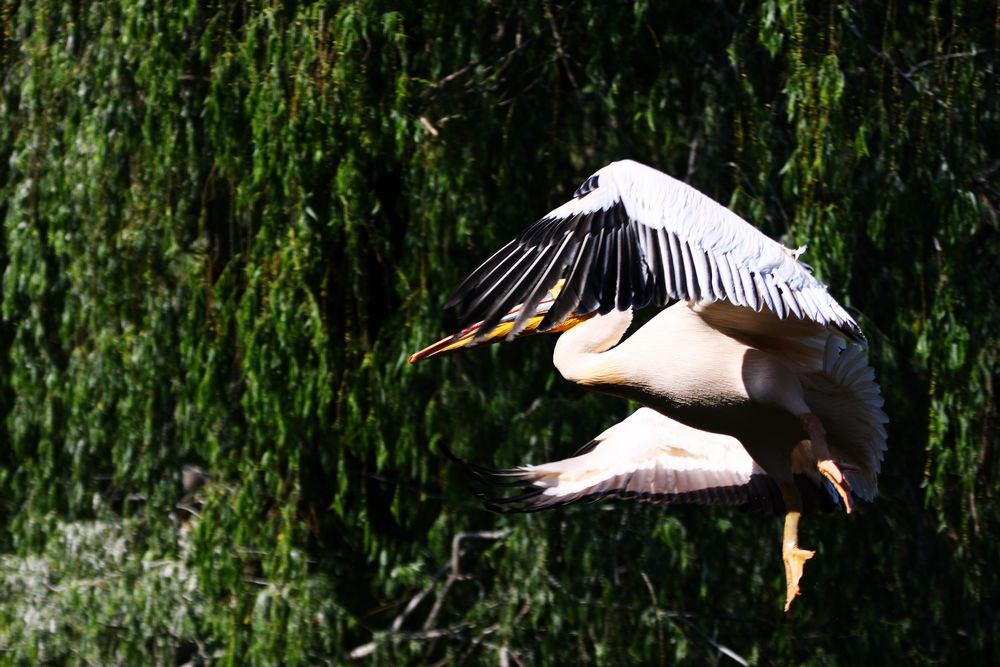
x,y
226,225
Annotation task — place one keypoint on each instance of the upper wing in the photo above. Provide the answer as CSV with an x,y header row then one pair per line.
x,y
632,235
651,457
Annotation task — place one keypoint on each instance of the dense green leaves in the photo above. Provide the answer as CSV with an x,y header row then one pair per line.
x,y
226,225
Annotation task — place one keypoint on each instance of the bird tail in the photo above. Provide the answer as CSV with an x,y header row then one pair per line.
x,y
846,398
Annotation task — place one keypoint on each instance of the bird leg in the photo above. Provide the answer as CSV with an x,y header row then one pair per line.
x,y
825,462
794,557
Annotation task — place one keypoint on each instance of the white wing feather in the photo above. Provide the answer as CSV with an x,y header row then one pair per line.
x,y
648,454
633,235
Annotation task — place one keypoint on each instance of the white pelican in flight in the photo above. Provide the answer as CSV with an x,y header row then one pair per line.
x,y
755,384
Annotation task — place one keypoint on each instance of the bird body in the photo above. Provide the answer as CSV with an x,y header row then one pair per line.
x,y
715,382
646,368
754,379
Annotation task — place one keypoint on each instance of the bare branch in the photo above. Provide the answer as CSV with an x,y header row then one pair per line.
x,y
457,73
456,574
427,126
949,56
724,650
425,635
453,569
415,601
560,51
907,76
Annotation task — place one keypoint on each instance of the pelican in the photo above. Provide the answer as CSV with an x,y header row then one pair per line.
x,y
754,381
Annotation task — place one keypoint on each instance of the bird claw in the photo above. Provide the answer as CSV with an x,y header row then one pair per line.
x,y
795,559
832,471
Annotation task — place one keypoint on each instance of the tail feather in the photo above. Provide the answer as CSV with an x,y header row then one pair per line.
x,y
847,399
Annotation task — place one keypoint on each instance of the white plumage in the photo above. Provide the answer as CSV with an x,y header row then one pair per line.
x,y
682,461
755,383
631,236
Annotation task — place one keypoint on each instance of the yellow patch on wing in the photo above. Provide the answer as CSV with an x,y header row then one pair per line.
x,y
472,337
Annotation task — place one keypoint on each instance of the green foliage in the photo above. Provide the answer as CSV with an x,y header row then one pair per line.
x,y
226,225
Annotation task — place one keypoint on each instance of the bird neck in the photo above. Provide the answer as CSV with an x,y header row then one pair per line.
x,y
579,352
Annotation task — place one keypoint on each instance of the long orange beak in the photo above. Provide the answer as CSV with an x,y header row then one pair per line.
x,y
468,338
